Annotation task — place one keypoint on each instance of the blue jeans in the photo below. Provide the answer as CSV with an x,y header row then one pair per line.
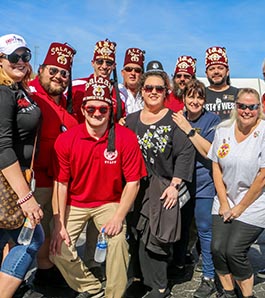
x,y
20,257
203,220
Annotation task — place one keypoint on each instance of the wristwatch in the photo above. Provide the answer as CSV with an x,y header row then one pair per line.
x,y
191,133
176,185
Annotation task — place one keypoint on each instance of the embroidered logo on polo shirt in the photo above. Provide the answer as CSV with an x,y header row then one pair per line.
x,y
110,156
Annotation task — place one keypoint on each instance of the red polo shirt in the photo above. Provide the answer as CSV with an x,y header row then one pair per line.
x,y
53,116
174,103
95,176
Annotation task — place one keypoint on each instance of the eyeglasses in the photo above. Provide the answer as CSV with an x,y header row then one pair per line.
x,y
130,69
14,57
101,62
149,88
54,70
93,109
243,106
186,77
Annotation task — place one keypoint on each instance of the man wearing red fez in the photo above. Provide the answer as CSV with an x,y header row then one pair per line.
x,y
48,91
185,70
133,67
220,95
98,168
103,63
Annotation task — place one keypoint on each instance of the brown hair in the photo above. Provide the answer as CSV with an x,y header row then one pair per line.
x,y
195,87
162,74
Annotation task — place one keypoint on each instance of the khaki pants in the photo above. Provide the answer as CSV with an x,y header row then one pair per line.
x,y
73,268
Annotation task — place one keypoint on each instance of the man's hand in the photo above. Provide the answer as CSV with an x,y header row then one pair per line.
x,y
113,227
58,236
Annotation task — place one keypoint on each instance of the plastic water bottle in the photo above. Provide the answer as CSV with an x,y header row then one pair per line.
x,y
101,247
26,233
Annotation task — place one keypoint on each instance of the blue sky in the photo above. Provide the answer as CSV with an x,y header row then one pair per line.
x,y
165,29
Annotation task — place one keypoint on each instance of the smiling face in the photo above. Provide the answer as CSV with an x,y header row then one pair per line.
x,y
53,83
217,75
248,108
16,71
97,113
103,67
194,104
131,74
154,92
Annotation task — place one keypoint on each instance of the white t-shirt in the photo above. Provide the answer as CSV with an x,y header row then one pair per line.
x,y
240,163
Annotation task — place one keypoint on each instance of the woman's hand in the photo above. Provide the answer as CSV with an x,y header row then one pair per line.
x,y
170,197
182,122
32,210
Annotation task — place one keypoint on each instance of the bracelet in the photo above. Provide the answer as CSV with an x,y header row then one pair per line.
x,y
25,199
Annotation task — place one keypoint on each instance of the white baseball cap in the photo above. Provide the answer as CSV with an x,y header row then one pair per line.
x,y
11,42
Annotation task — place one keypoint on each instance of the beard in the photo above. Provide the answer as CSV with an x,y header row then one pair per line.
x,y
218,83
177,91
51,90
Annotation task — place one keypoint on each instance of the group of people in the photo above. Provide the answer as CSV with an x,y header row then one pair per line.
x,y
138,160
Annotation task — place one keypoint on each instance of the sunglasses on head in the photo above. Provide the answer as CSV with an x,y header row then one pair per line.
x,y
14,57
150,88
130,69
54,70
93,109
186,76
243,106
101,62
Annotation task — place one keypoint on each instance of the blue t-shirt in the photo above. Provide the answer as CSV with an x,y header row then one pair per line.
x,y
202,185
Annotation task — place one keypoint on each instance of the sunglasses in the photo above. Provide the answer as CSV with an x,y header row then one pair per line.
x,y
54,70
101,62
186,77
14,57
149,88
243,106
93,109
130,69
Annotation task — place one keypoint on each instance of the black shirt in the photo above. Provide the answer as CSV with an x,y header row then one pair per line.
x,y
19,119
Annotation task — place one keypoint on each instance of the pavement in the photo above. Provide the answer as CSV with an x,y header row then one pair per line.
x,y
183,287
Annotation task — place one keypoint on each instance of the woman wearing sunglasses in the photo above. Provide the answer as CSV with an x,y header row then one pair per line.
x,y
238,155
19,118
169,156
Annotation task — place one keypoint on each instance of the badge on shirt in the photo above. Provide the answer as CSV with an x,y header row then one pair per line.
x,y
223,150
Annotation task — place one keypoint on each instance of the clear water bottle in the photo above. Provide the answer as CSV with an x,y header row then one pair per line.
x,y
101,247
26,233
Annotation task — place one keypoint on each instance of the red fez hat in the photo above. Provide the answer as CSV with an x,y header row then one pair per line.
x,y
134,55
105,50
186,64
98,88
216,55
61,55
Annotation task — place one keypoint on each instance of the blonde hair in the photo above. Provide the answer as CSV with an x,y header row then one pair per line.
x,y
234,113
7,81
